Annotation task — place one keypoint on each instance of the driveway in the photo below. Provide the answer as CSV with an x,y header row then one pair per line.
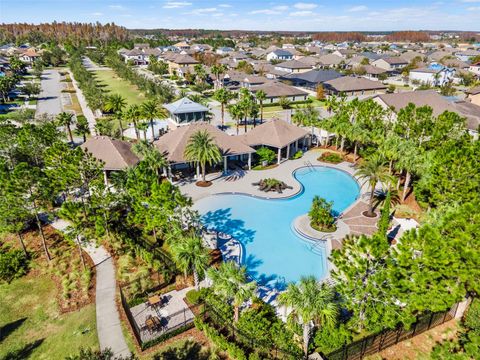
x,y
49,99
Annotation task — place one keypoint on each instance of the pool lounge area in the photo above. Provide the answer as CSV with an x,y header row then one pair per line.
x,y
273,252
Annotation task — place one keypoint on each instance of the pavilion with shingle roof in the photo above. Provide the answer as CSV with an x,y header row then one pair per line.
x,y
286,138
185,111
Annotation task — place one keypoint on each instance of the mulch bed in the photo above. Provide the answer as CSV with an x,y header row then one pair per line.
x,y
56,243
203,183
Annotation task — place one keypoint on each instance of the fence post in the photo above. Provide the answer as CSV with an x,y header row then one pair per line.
x,y
414,328
430,322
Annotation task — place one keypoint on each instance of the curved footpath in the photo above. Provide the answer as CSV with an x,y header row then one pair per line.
x,y
109,329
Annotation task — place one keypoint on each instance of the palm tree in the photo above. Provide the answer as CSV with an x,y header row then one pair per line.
x,y
202,149
143,126
66,119
115,104
306,116
261,97
217,70
310,301
236,112
373,171
190,255
223,96
408,161
151,110
154,160
230,282
133,114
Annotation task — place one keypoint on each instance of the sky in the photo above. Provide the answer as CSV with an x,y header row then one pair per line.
x,y
339,15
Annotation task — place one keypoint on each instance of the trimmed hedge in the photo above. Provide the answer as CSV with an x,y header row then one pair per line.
x,y
166,336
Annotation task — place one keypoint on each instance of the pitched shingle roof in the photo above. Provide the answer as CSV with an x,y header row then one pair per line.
x,y
276,133
184,105
315,76
277,89
350,83
116,154
173,144
293,64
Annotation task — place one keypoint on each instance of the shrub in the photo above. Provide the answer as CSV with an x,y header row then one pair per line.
x,y
183,350
297,155
193,296
13,264
331,158
328,339
266,154
320,214
284,103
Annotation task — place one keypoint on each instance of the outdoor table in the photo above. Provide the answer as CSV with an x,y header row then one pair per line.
x,y
154,300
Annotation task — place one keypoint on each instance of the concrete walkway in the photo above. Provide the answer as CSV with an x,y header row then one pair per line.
x,y
87,112
109,329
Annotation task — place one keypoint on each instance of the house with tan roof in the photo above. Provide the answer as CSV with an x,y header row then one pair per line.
x,y
293,66
473,95
29,56
351,85
115,155
391,64
177,61
329,61
280,135
172,145
277,90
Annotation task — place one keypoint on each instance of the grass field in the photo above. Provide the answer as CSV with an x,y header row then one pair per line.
x,y
32,327
116,85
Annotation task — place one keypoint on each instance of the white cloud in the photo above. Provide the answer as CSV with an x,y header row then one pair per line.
x,y
301,13
357,8
117,7
202,11
97,13
176,4
272,11
305,6
473,8
225,5
470,1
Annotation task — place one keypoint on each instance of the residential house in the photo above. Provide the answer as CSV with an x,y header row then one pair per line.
x,y
280,54
176,61
182,45
466,55
29,56
391,64
225,50
350,85
433,75
344,53
475,68
186,111
276,90
293,66
311,79
370,71
329,61
473,95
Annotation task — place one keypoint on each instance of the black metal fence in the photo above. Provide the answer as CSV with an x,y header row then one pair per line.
x,y
377,342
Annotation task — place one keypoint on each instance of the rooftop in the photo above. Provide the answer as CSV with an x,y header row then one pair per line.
x,y
115,154
184,105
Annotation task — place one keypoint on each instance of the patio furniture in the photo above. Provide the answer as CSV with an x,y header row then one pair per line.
x,y
154,300
152,323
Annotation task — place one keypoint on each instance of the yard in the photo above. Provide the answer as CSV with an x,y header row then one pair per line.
x,y
31,324
116,85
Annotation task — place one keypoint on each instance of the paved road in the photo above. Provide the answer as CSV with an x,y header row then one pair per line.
x,y
91,66
49,101
109,329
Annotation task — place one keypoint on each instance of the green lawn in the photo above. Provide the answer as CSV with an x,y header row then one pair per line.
x,y
32,327
116,85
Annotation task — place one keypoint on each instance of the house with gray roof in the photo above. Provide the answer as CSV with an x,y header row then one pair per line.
x,y
311,79
279,54
186,111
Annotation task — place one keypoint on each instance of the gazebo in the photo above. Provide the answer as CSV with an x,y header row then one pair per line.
x,y
172,145
115,154
286,138
186,111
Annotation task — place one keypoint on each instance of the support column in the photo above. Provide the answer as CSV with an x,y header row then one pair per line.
x,y
225,164
249,161
198,172
288,151
279,155
296,145
169,172
105,177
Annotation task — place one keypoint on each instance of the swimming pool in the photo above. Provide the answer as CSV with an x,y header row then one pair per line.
x,y
273,252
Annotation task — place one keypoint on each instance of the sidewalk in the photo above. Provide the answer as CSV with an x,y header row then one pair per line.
x,y
109,329
87,112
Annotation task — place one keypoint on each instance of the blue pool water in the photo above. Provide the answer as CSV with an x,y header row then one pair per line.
x,y
273,253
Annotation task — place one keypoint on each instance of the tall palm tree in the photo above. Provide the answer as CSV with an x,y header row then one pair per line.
x,y
143,127
223,96
66,119
373,171
310,301
154,160
230,282
133,114
201,149
408,162
218,70
236,112
190,255
116,103
261,96
151,110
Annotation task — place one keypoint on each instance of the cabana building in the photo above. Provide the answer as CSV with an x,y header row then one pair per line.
x,y
186,111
